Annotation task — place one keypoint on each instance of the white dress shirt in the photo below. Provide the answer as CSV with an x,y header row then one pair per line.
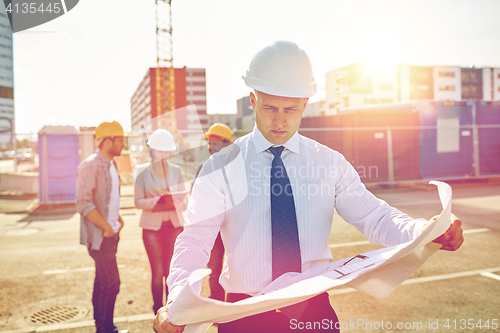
x,y
237,202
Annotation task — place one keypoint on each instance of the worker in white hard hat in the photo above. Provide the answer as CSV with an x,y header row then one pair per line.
x,y
159,192
272,195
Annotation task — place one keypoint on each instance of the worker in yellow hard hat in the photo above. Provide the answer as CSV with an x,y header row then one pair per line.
x,y
218,136
112,131
98,202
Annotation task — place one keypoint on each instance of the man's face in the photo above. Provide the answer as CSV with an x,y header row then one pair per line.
x,y
117,146
216,143
277,118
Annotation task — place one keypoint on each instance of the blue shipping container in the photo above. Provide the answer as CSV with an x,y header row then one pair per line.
x,y
446,145
488,121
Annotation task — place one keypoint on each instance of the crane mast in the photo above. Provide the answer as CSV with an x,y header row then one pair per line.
x,y
165,72
165,76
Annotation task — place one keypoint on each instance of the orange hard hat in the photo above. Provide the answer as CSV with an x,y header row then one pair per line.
x,y
221,131
108,129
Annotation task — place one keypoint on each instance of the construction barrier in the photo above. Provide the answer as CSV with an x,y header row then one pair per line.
x,y
58,150
423,140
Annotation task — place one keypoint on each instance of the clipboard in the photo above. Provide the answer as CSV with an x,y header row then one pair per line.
x,y
166,201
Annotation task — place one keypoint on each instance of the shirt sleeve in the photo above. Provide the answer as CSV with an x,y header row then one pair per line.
x,y
85,185
205,214
140,199
376,219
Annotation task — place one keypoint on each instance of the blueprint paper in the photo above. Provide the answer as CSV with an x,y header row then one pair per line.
x,y
376,273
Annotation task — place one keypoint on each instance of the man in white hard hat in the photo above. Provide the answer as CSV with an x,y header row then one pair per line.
x,y
283,221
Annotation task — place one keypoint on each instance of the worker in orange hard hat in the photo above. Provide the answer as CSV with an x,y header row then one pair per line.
x,y
111,131
218,136
98,202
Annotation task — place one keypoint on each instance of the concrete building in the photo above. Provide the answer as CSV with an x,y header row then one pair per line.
x,y
7,124
196,93
245,116
228,119
314,109
190,89
495,78
358,84
447,83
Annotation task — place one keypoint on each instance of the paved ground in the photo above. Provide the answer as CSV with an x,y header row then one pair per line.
x,y
44,267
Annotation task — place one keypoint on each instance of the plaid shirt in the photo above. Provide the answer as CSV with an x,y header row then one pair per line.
x,y
93,191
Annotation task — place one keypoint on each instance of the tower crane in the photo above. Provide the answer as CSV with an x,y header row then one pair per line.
x,y
165,72
165,75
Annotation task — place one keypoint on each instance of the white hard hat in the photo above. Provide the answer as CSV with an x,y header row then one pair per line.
x,y
161,140
281,69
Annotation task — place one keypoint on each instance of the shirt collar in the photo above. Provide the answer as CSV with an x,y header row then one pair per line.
x,y
102,158
261,144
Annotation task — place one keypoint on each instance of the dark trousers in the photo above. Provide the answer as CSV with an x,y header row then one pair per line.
x,y
215,264
106,283
160,248
318,316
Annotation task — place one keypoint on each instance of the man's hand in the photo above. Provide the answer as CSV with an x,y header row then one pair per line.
x,y
453,238
101,222
162,325
108,231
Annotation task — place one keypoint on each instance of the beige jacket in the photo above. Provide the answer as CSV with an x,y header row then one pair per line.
x,y
147,190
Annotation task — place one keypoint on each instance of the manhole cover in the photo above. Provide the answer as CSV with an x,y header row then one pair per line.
x,y
55,315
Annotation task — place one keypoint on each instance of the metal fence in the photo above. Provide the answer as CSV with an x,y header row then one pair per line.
x,y
392,154
380,155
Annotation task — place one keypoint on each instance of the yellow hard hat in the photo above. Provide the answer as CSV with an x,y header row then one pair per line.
x,y
108,129
221,131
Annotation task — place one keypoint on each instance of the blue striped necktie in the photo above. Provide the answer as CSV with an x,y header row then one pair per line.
x,y
285,235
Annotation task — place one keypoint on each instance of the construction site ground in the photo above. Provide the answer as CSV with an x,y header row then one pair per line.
x,y
46,275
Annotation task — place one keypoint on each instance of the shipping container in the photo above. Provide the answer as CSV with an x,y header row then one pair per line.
x,y
385,145
326,130
382,145
58,151
488,122
446,144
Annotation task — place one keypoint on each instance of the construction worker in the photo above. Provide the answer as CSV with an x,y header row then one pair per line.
x,y
157,181
98,202
218,136
272,195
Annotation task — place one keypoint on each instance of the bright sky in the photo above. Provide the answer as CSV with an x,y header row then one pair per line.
x,y
83,67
